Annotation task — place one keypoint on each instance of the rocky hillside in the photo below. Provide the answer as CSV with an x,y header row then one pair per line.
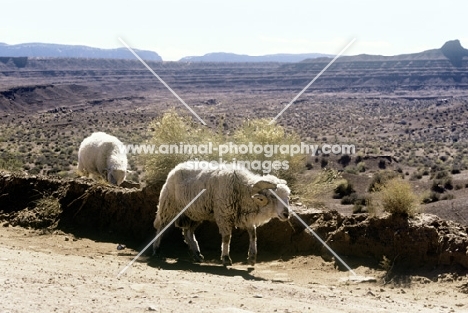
x,y
27,84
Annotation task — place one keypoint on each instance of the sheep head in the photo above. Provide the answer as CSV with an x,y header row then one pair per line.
x,y
116,177
265,200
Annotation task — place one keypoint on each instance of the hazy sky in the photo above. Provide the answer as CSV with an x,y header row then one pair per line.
x,y
176,28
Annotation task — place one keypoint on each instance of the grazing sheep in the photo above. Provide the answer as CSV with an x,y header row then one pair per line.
x,y
234,197
102,154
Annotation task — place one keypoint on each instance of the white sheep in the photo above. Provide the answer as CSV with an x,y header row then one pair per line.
x,y
103,155
234,197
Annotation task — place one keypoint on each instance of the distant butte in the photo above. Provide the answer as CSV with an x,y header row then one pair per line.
x,y
454,51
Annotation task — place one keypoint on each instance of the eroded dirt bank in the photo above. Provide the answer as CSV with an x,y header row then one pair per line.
x,y
127,214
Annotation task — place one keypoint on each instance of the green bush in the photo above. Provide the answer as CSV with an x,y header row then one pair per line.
x,y
398,198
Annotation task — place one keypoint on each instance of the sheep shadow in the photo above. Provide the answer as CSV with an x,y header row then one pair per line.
x,y
182,264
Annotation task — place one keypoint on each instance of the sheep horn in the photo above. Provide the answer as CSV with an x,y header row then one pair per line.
x,y
261,185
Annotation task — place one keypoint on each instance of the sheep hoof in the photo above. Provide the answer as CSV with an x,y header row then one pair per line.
x,y
226,260
251,260
156,255
198,257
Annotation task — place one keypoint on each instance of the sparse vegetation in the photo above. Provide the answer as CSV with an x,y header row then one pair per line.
x,y
10,162
379,179
174,131
343,189
310,187
398,198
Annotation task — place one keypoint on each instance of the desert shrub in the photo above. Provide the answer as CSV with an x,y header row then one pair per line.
x,y
170,131
310,187
355,199
441,185
10,162
362,200
359,208
351,170
398,198
323,163
34,171
261,132
344,160
379,179
448,183
176,132
343,189
430,197
349,199
361,167
440,174
416,175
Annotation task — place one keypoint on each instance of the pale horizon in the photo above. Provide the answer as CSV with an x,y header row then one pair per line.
x,y
179,29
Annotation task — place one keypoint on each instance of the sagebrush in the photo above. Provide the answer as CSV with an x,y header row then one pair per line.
x,y
397,198
178,130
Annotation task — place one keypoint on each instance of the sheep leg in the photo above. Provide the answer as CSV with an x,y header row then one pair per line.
x,y
188,228
156,245
225,258
252,256
189,234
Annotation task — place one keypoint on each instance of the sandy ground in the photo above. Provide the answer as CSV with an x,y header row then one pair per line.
x,y
60,273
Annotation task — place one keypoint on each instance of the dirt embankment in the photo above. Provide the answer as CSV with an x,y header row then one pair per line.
x,y
101,210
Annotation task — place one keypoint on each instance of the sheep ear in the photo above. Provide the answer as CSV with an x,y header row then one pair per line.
x,y
260,200
262,184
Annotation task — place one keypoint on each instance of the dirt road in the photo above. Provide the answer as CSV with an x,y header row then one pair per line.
x,y
60,273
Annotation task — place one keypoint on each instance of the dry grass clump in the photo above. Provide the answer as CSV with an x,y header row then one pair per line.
x,y
45,213
380,178
173,129
398,198
261,132
311,187
173,133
